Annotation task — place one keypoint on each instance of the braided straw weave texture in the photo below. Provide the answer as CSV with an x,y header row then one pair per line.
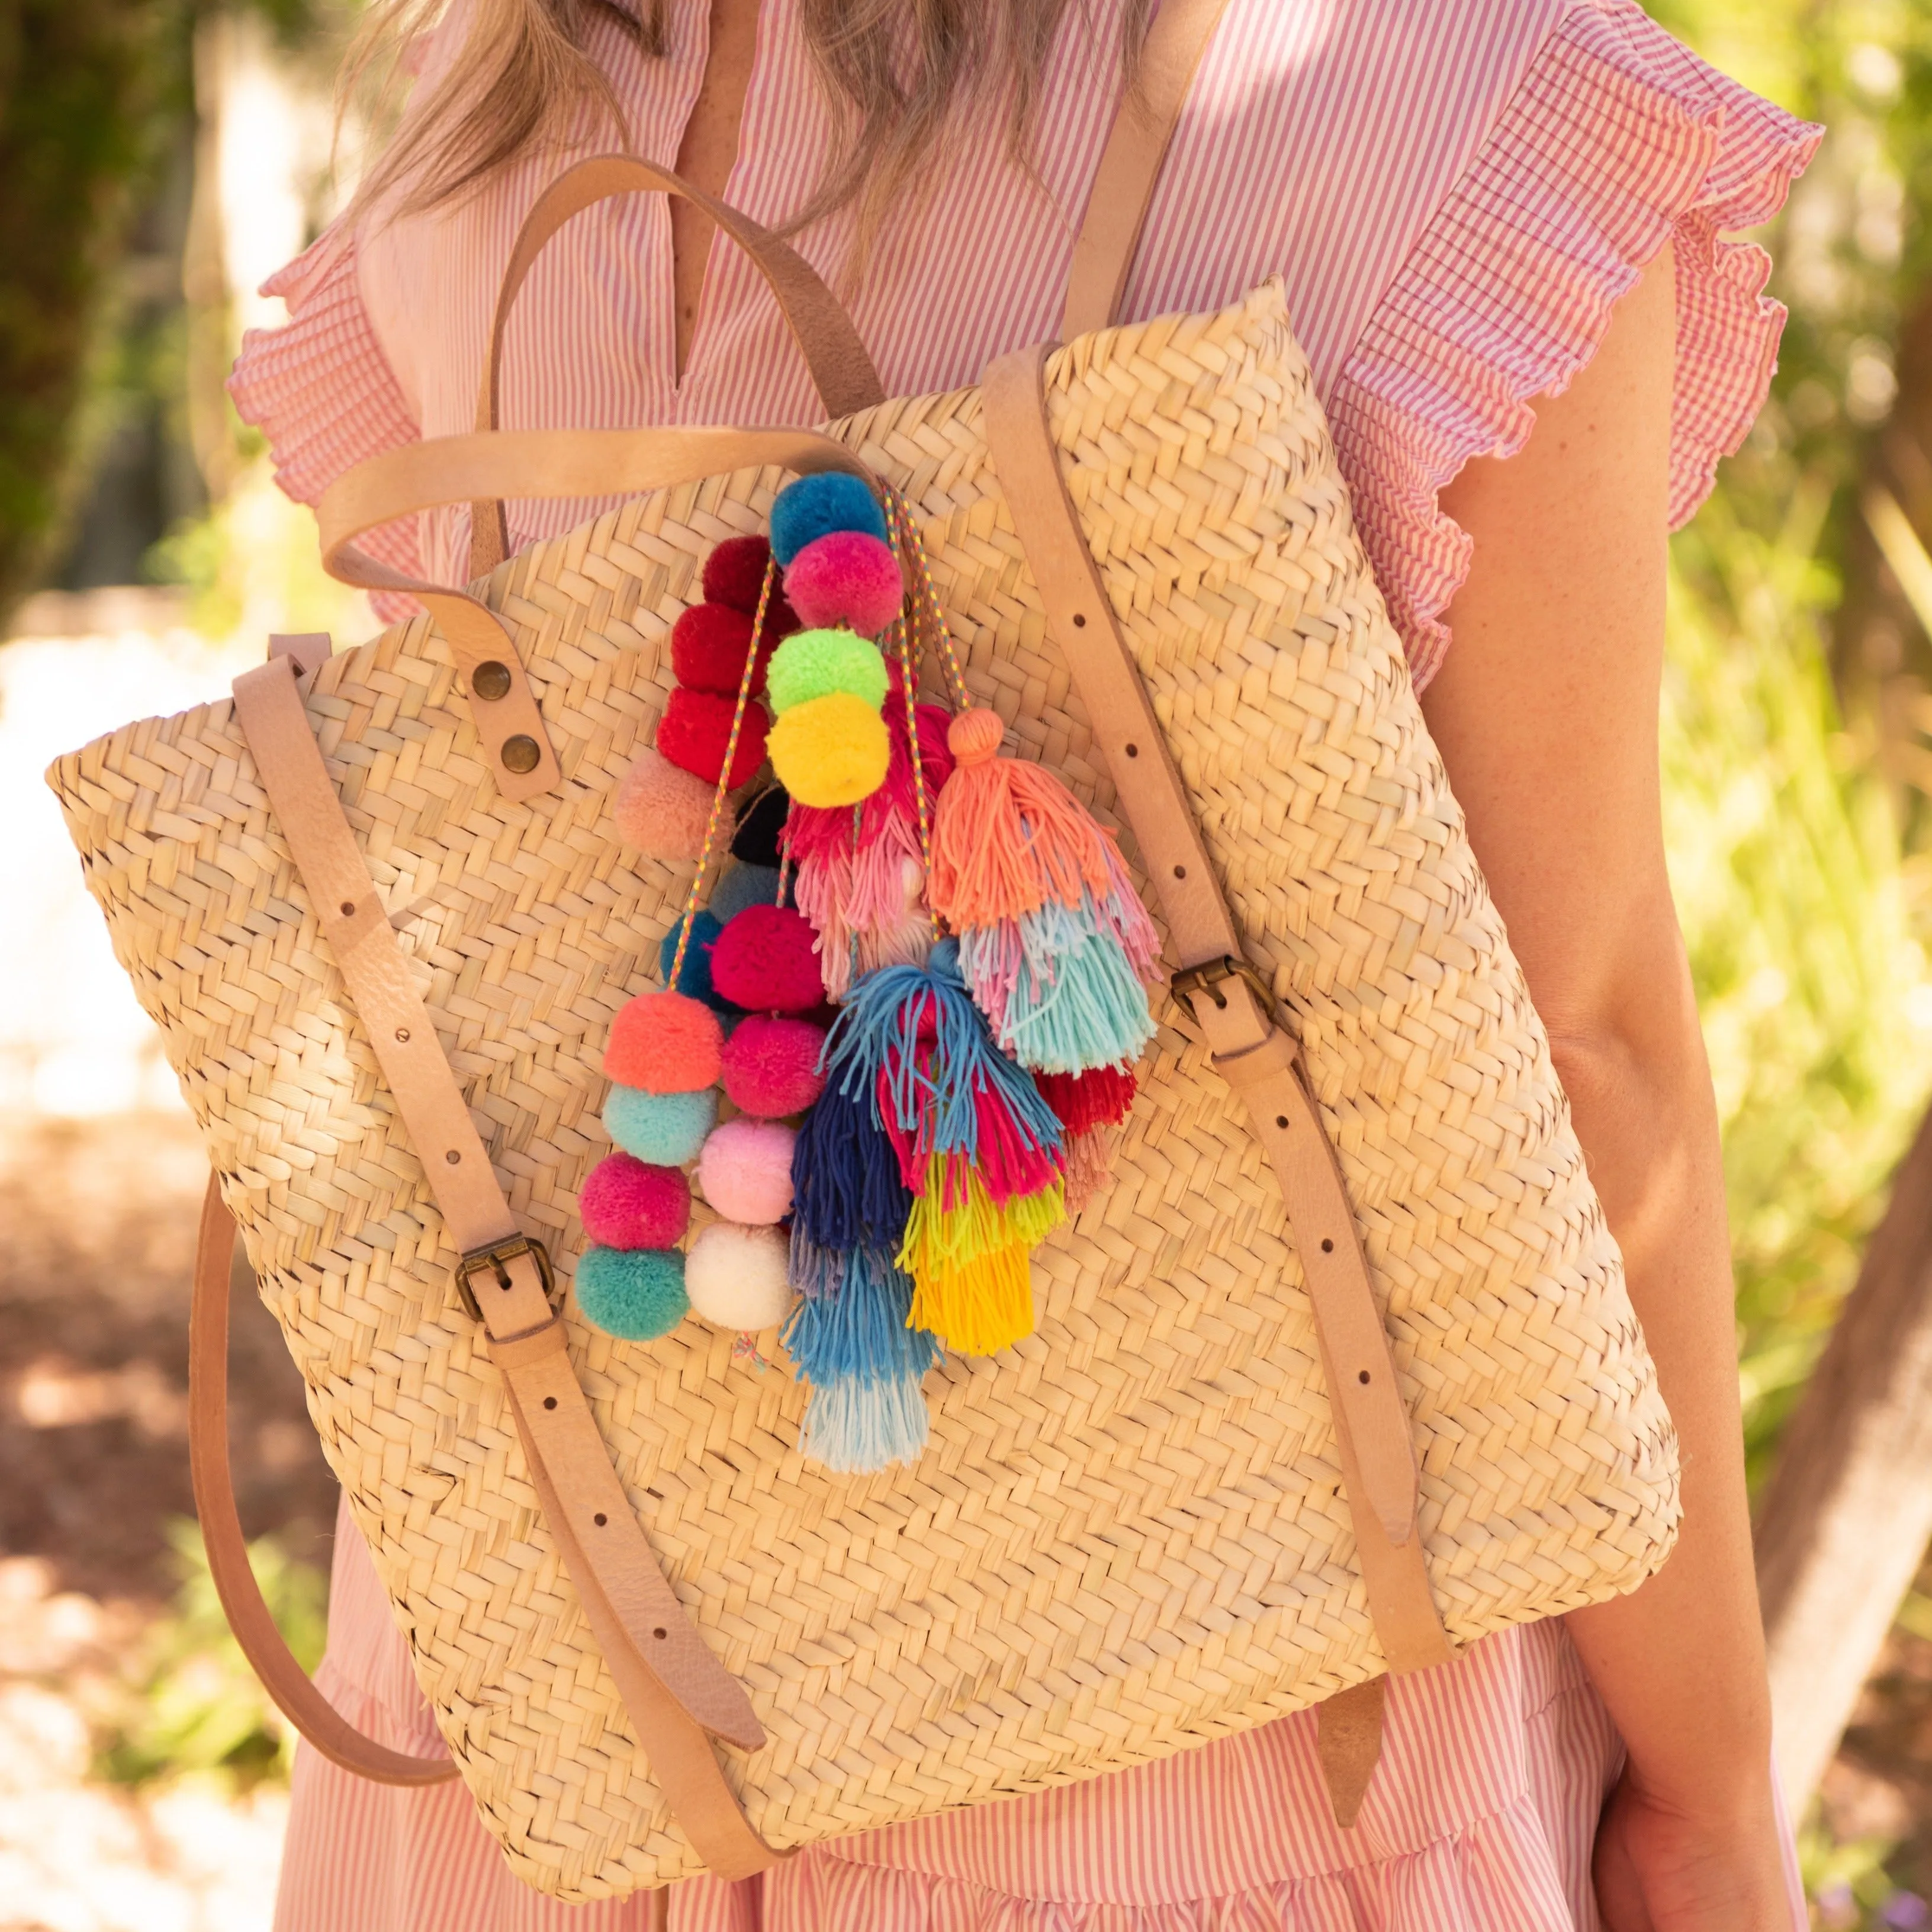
x,y
1127,1536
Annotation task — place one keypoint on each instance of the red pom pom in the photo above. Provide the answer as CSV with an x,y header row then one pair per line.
x,y
665,1043
846,576
626,1204
708,645
764,962
734,573
696,726
770,1067
1098,1098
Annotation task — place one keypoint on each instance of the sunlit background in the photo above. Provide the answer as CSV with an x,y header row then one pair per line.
x,y
181,155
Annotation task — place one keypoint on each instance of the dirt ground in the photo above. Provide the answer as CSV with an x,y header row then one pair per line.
x,y
97,1231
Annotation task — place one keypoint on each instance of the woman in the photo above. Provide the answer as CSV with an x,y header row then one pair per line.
x,y
1499,224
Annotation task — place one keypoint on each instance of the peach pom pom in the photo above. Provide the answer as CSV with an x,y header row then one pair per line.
x,y
764,961
665,1043
846,576
770,1066
738,1278
661,811
745,1172
626,1204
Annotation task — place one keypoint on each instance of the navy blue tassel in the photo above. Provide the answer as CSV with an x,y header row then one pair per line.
x,y
846,1189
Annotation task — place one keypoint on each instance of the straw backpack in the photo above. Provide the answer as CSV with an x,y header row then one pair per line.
x,y
1341,1374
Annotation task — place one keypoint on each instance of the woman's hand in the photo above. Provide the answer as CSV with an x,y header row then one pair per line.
x,y
1659,1868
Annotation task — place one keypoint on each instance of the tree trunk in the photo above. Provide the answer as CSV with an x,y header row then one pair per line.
x,y
1848,1514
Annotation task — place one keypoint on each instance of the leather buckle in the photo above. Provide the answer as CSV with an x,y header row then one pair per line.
x,y
1205,978
493,1259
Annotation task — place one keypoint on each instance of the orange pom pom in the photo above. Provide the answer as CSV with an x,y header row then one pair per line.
x,y
664,1043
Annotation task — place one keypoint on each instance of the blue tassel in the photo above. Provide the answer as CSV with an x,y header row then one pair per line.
x,y
856,1428
879,1028
1062,994
858,1332
846,1189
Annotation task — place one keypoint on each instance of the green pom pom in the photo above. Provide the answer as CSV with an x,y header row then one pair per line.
x,y
815,664
635,1294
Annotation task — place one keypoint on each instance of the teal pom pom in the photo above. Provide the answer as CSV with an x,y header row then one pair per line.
x,y
815,664
665,1130
743,886
695,980
635,1294
814,506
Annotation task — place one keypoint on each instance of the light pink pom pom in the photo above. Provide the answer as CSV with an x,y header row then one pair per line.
x,y
846,576
745,1172
662,810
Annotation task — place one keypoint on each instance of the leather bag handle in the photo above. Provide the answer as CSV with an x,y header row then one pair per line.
x,y
674,1690
842,370
286,1681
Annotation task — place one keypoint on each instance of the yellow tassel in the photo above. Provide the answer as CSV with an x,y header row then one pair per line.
x,y
939,1236
979,1308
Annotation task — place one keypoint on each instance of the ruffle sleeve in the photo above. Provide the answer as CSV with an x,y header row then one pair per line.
x,y
1617,141
323,392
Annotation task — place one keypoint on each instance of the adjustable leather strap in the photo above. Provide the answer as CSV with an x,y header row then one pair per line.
x,y
1137,144
1259,1060
842,370
248,1616
673,1687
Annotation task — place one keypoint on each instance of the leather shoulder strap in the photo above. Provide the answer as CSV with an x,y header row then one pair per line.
x,y
1236,1013
1123,184
674,1689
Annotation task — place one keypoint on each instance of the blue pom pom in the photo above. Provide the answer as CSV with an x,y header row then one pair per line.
x,y
744,886
815,505
695,980
635,1294
666,1130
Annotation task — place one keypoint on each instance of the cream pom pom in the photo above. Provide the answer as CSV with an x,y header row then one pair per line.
x,y
735,1277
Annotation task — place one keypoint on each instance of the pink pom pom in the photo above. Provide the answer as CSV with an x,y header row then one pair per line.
x,y
745,1172
763,962
661,811
665,1043
770,1067
626,1204
846,576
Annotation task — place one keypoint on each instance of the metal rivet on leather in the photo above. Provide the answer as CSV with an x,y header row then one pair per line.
x,y
491,680
348,907
519,754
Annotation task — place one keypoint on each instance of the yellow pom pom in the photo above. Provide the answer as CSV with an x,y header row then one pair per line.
x,y
831,750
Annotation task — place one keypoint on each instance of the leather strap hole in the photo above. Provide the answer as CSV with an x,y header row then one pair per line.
x,y
1079,621
403,1035
1133,751
1327,1247
1281,1119
1364,1378
1180,871
660,1634
550,1402
454,1159
600,1519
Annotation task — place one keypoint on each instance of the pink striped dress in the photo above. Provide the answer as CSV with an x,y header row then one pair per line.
x,y
1455,196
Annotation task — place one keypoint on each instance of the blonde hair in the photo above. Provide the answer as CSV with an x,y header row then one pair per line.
x,y
899,76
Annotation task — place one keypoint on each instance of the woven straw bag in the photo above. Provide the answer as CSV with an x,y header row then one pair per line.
x,y
1341,1374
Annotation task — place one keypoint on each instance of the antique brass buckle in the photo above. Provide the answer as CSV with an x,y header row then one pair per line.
x,y
491,1260
1206,979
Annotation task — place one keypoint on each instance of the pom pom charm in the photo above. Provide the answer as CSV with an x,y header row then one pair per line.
x,y
831,751
738,1278
745,1172
625,1203
661,809
765,961
694,976
661,1129
636,1295
770,1066
742,886
708,644
665,1043
696,728
815,664
813,506
848,577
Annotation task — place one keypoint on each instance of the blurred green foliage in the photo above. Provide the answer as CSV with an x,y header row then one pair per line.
x,y
191,1703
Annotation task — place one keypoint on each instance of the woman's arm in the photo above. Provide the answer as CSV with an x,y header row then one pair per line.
x,y
1546,710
